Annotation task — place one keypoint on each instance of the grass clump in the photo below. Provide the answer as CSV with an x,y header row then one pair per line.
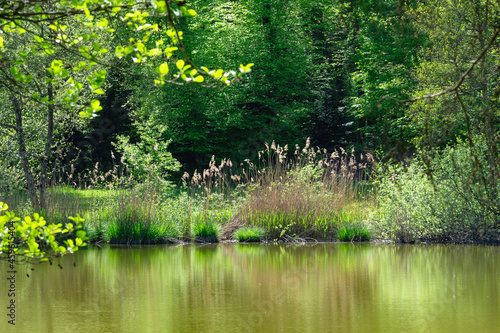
x,y
206,232
250,234
353,233
307,195
136,219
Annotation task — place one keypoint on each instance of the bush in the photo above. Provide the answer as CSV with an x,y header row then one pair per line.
x,y
250,234
459,203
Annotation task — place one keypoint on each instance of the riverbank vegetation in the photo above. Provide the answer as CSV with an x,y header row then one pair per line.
x,y
359,121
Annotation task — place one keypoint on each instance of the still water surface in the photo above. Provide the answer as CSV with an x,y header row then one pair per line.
x,y
262,288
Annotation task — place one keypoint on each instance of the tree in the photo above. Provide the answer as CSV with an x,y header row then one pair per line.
x,y
456,102
71,40
386,54
297,91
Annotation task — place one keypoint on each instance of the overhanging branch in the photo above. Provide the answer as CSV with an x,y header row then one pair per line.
x,y
454,88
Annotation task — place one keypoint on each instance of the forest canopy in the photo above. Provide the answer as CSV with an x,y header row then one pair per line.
x,y
82,81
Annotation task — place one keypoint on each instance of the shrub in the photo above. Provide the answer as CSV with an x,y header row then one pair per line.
x,y
459,203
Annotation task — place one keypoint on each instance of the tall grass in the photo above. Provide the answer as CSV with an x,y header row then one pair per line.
x,y
304,193
206,232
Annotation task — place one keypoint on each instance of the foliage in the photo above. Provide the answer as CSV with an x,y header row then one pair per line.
x,y
55,61
285,40
463,31
98,18
395,76
148,159
33,240
386,56
452,206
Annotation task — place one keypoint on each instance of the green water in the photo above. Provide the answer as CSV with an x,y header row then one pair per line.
x,y
262,288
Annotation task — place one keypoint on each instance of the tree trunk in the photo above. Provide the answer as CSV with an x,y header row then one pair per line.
x,y
44,179
23,154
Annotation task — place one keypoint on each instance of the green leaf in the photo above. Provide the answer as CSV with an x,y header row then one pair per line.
x,y
218,73
96,105
103,23
245,69
119,51
154,52
199,79
180,64
129,49
98,91
163,69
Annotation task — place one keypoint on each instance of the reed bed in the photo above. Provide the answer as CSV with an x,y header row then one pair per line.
x,y
306,193
299,194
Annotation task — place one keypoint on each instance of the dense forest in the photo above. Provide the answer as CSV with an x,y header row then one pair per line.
x,y
397,99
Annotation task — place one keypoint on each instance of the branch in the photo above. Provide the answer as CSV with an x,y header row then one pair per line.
x,y
450,89
9,126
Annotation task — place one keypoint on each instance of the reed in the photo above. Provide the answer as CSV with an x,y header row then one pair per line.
x,y
306,194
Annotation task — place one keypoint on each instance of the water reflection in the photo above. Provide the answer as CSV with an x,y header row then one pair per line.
x,y
264,288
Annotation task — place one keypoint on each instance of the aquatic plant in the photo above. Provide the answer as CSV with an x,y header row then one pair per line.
x,y
206,232
250,234
353,233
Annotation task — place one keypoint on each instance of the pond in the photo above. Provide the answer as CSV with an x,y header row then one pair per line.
x,y
262,288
